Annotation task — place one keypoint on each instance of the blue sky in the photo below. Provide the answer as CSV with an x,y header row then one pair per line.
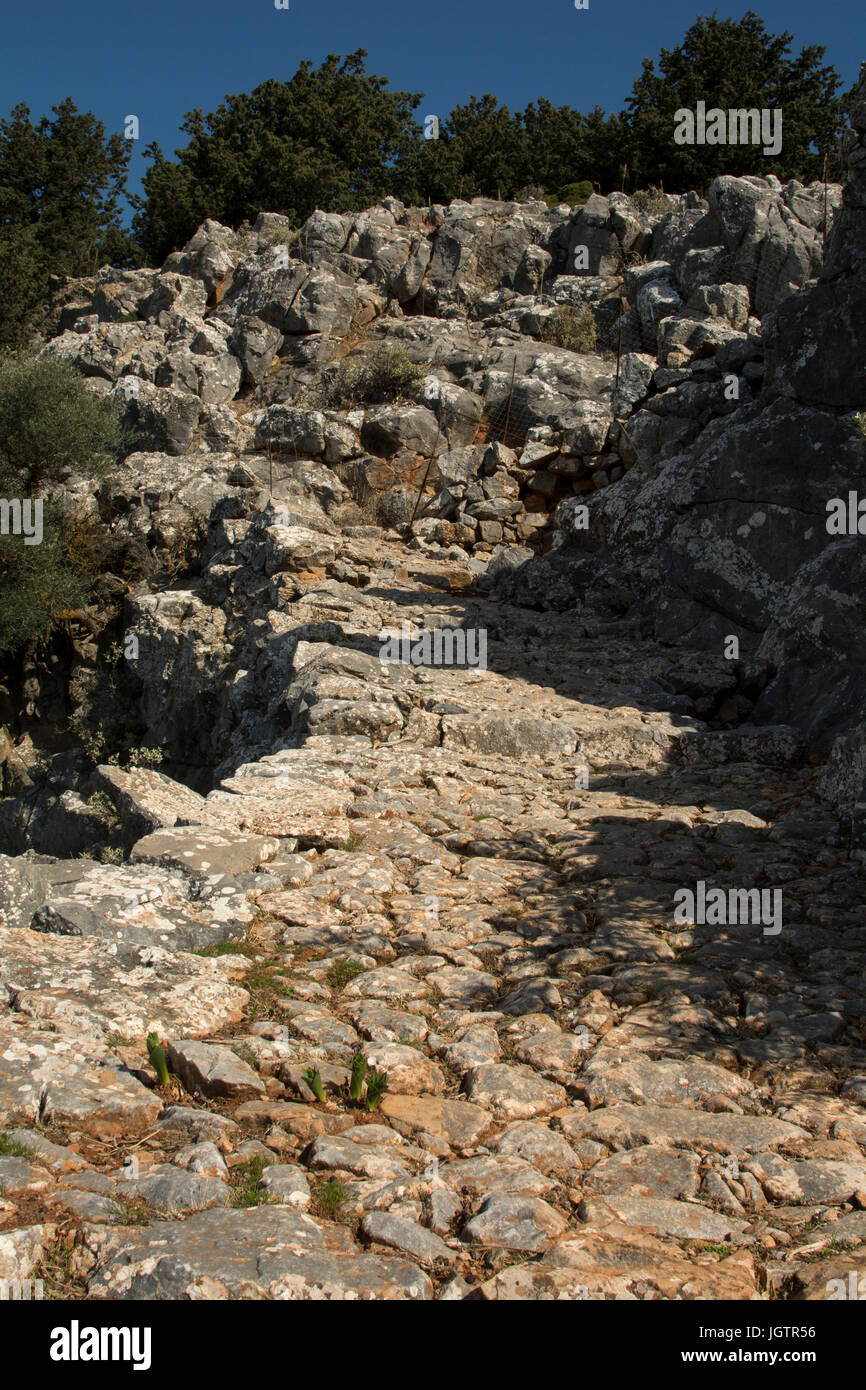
x,y
158,59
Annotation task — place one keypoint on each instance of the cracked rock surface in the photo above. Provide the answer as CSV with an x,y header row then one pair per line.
x,y
585,1099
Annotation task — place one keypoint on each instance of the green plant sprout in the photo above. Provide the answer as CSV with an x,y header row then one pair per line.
x,y
156,1053
377,1085
314,1081
359,1071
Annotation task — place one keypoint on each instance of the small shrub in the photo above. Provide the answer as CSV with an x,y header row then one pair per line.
x,y
651,201
246,1054
352,842
51,423
183,554
571,327
224,948
576,194
144,757
103,807
279,236
389,374
42,584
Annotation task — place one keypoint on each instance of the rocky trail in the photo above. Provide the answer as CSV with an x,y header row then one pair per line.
x,y
534,975
585,1099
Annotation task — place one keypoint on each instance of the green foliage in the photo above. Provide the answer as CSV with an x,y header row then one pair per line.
x,y
329,1198
280,236
10,1148
246,1054
352,842
314,1081
51,423
575,194
245,1179
359,1071
651,200
156,1053
113,745
38,583
341,972
330,137
732,64
144,757
102,805
224,948
571,327
377,1085
61,181
389,374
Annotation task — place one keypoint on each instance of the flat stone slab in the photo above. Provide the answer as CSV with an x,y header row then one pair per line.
x,y
479,1177
667,1082
42,1078
148,800
458,1122
170,1189
620,1263
462,986
409,1071
215,1072
286,1182
206,851
407,1236
648,1171
54,1156
261,1252
513,1093
515,1223
106,1102
826,1180
663,1217
90,987
544,1148
558,1056
681,1127
136,904
334,1152
17,1176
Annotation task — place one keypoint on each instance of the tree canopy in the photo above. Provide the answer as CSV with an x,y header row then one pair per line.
x,y
338,138
732,65
62,182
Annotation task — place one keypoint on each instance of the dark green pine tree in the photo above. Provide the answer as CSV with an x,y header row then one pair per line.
x,y
491,145
732,64
332,137
61,184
